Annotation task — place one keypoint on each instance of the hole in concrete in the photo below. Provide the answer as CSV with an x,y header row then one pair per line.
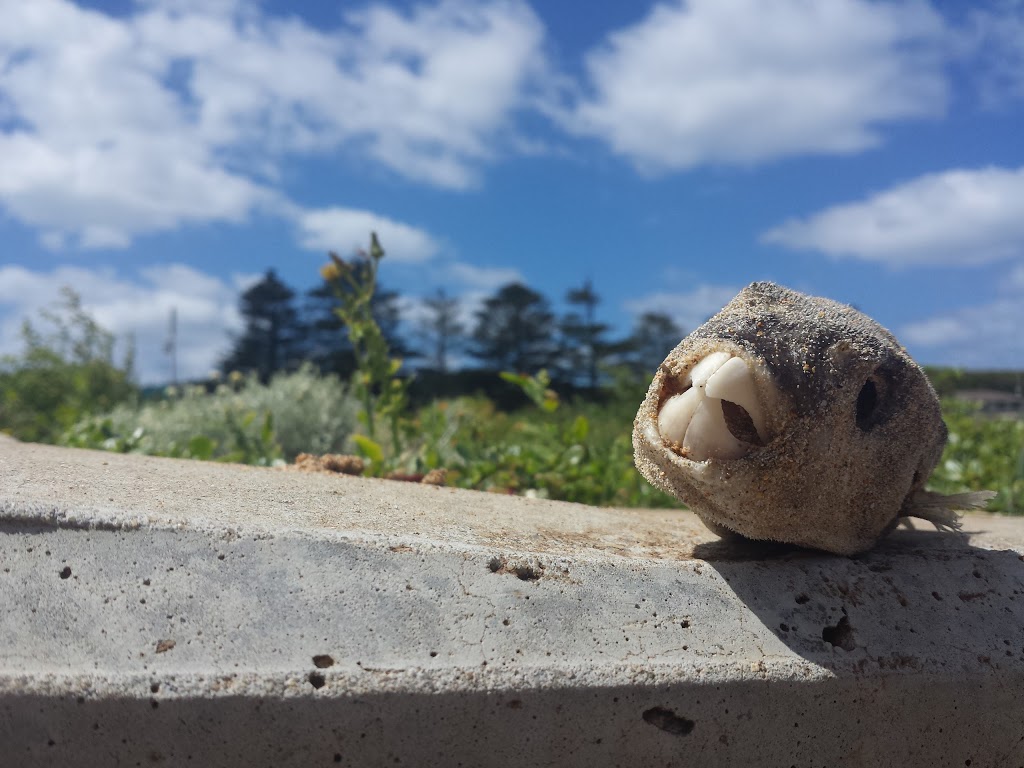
x,y
145,582
154,704
317,680
322,661
154,688
433,654
840,636
527,573
801,599
337,757
784,627
66,573
936,595
966,596
685,623
668,721
162,646
523,571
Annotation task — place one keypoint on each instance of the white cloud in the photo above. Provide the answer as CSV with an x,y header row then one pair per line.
x,y
346,230
179,112
688,309
957,217
994,40
138,308
745,81
483,278
95,145
985,335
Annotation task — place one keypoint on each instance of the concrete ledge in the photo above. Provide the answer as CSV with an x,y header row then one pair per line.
x,y
170,612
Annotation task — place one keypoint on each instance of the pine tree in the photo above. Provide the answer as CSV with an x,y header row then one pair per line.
x,y
442,328
653,337
584,347
514,331
272,339
327,344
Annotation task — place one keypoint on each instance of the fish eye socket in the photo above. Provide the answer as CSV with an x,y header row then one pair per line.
x,y
867,405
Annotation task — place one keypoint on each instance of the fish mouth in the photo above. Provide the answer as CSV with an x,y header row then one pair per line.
x,y
715,409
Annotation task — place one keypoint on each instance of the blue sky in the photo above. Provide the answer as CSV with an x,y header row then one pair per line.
x,y
162,153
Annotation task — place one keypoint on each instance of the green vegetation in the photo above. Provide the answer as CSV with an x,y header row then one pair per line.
x,y
579,452
243,420
982,454
66,371
571,440
375,383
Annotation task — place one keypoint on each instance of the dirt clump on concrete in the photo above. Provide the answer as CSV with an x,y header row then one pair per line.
x,y
344,464
331,463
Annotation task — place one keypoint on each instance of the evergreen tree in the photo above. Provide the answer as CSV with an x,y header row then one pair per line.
x,y
272,339
515,331
653,337
584,347
442,327
327,344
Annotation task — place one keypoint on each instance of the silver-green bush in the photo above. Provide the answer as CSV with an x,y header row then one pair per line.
x,y
243,420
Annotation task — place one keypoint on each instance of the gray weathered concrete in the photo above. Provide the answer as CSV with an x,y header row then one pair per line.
x,y
169,612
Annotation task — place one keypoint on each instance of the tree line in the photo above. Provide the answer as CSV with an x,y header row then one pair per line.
x,y
514,329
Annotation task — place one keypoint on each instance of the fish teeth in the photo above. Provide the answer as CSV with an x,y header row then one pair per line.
x,y
734,382
676,414
709,437
707,367
694,420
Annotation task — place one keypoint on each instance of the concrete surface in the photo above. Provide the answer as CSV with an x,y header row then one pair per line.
x,y
161,612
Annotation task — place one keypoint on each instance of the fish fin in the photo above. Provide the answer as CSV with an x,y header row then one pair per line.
x,y
941,510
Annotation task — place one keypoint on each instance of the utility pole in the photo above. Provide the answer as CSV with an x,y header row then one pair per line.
x,y
171,345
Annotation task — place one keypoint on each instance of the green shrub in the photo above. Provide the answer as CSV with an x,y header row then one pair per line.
x,y
982,454
583,452
580,453
254,423
66,371
576,454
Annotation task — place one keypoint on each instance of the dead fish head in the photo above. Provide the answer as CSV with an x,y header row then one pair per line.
x,y
791,418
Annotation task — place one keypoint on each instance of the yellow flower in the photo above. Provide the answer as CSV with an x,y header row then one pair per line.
x,y
330,272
